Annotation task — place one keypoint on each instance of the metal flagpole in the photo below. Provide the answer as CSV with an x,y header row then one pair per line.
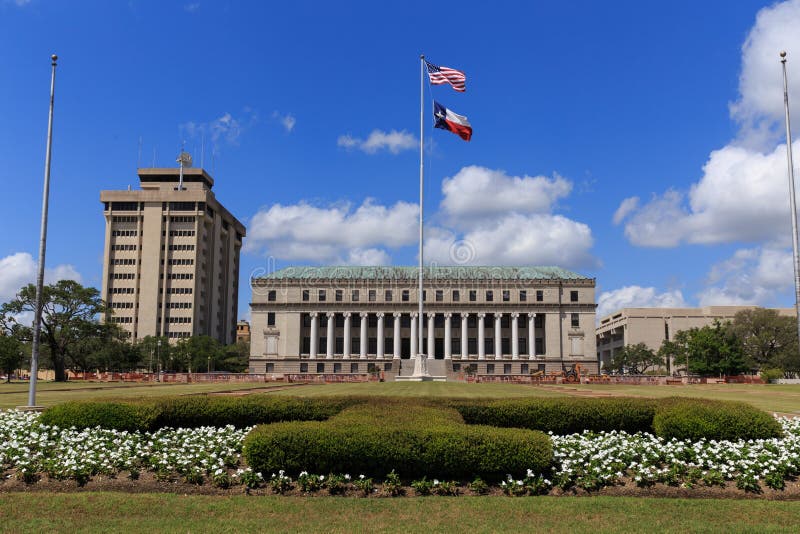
x,y
37,321
420,351
792,205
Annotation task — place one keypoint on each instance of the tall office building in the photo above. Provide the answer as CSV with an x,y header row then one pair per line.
x,y
171,257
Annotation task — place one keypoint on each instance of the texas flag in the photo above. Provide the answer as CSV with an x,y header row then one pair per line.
x,y
448,120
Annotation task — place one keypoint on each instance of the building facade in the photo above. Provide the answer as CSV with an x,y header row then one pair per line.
x,y
171,257
243,332
498,320
652,326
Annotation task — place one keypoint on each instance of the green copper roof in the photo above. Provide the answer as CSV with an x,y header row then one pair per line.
x,y
411,273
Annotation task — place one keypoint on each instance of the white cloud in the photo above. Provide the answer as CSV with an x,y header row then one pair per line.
x,y
625,207
742,194
541,239
225,128
333,234
287,120
751,276
18,270
477,192
637,297
393,141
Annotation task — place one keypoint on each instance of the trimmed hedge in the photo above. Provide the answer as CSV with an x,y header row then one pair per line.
x,y
692,419
192,412
561,416
413,439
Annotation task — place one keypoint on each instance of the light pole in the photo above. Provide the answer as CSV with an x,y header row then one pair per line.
x,y
158,358
37,320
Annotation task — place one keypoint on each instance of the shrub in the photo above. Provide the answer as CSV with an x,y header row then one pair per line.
x,y
562,415
771,374
410,438
129,417
695,419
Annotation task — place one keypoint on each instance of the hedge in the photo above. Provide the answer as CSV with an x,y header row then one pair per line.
x,y
562,416
693,419
192,412
414,440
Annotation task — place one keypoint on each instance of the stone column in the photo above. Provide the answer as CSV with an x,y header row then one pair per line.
x,y
398,346
312,350
464,336
362,344
347,327
481,337
331,339
448,348
532,336
515,336
414,334
498,336
431,337
380,336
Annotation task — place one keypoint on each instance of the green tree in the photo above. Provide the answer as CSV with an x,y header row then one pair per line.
x,y
197,354
104,346
154,352
236,358
710,350
67,310
11,355
635,359
768,339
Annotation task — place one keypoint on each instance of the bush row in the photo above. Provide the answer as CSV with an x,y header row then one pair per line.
x,y
192,412
668,418
412,439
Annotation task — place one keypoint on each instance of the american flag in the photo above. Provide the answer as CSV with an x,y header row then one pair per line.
x,y
442,75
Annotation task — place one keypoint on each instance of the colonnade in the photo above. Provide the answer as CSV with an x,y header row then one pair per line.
x,y
395,349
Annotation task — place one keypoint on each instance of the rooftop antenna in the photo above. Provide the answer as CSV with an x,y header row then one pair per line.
x,y
185,160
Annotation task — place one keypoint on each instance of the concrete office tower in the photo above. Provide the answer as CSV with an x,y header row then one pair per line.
x,y
171,257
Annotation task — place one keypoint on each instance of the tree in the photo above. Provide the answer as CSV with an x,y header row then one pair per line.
x,y
635,359
710,350
11,355
68,309
768,339
154,352
236,358
104,346
196,354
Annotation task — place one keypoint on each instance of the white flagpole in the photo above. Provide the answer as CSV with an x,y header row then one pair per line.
x,y
792,204
37,321
420,352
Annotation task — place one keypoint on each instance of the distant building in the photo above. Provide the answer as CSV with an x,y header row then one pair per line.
x,y
243,331
171,257
652,326
501,320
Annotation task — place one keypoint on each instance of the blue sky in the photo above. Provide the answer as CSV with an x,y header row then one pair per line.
x,y
636,143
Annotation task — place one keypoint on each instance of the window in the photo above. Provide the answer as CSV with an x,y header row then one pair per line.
x,y
339,295
506,368
506,295
354,295
272,296
354,368
575,320
321,295
372,295
387,295
523,295
489,295
271,319
320,367
473,295
456,295
305,295
303,367
489,368
337,367
539,295
439,295
404,295
573,296
524,369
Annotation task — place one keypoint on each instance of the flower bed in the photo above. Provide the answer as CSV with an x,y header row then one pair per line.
x,y
30,450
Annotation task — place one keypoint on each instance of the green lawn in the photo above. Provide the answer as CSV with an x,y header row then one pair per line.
x,y
50,393
149,512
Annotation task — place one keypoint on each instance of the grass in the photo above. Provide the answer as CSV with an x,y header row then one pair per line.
x,y
150,512
50,393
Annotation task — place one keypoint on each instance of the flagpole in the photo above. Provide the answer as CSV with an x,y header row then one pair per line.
x,y
418,367
792,205
37,321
